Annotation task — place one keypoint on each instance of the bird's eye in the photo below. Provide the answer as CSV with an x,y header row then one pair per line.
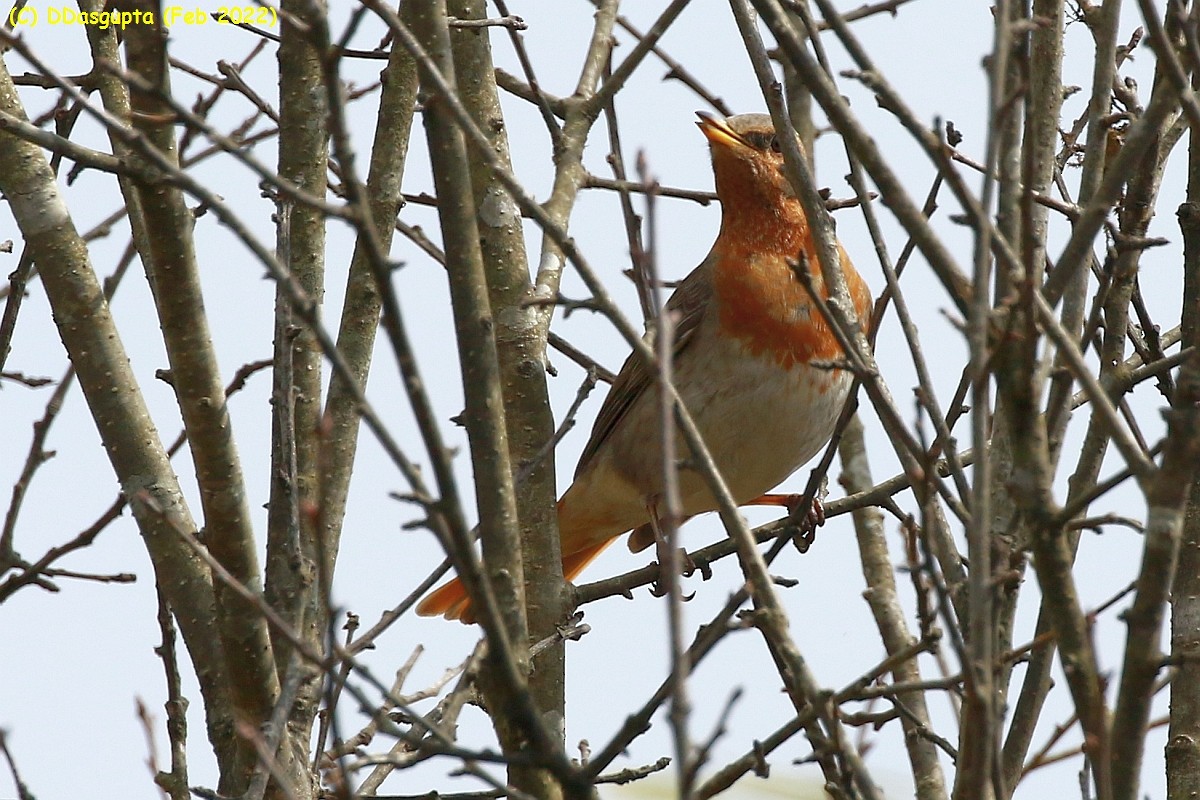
x,y
759,140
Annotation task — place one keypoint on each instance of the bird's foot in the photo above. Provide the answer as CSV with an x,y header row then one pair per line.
x,y
806,518
687,567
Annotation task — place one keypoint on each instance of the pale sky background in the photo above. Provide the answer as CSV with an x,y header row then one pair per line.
x,y
74,662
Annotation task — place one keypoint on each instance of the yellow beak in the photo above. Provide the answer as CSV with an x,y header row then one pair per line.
x,y
717,131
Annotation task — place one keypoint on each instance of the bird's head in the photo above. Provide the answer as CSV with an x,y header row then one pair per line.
x,y
747,161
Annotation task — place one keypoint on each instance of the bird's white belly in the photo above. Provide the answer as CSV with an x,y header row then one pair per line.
x,y
760,422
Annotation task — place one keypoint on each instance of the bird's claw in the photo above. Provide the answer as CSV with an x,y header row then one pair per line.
x,y
806,520
687,568
813,516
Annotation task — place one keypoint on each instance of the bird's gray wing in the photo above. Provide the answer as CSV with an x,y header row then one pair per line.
x,y
688,303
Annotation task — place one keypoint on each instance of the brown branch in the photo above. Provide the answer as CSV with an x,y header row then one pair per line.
x,y
891,189
31,572
1183,737
1166,496
174,782
520,352
631,62
505,622
675,70
510,21
117,405
34,458
544,103
755,759
362,305
883,599
167,251
498,600
23,792
323,663
81,155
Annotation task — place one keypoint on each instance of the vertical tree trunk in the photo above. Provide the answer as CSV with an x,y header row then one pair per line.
x,y
1183,738
521,350
296,580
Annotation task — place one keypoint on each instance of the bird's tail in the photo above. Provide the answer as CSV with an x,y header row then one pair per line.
x,y
450,600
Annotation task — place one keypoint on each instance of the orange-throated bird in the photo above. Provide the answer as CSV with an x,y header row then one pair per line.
x,y
745,338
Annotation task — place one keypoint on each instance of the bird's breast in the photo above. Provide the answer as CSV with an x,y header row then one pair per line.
x,y
761,303
760,421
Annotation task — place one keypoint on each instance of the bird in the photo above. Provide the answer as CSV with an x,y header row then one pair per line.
x,y
753,361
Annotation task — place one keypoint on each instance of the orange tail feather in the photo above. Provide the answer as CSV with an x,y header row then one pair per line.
x,y
450,599
575,562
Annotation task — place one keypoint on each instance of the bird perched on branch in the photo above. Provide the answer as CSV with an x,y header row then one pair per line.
x,y
748,352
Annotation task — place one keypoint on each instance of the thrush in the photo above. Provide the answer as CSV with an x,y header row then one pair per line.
x,y
751,362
